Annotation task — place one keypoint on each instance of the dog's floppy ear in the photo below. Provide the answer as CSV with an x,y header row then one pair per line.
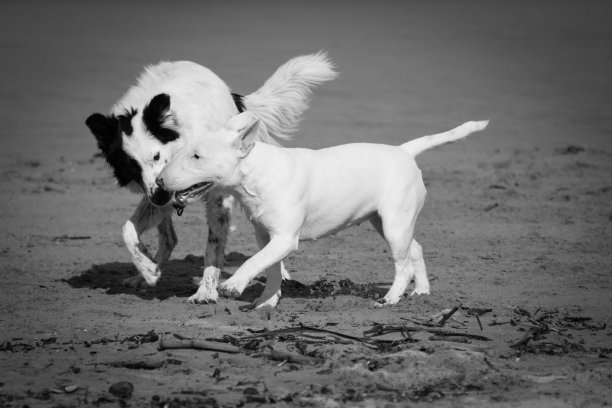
x,y
104,128
247,126
158,120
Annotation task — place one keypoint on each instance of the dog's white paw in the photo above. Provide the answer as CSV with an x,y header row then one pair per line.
x,y
230,289
136,281
151,277
207,292
389,300
284,272
267,300
202,297
420,291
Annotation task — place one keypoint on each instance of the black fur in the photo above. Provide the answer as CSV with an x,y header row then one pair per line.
x,y
160,197
239,101
107,131
212,238
154,115
223,219
125,121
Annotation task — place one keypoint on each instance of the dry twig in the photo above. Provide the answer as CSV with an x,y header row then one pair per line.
x,y
170,344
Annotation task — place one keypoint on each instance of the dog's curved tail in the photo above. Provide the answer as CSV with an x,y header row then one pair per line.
x,y
418,146
282,99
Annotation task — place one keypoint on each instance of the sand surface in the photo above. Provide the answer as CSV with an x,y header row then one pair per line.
x,y
517,226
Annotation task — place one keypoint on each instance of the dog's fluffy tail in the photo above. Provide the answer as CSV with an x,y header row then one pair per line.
x,y
282,99
418,146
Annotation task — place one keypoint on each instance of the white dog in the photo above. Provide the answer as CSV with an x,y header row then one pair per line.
x,y
300,194
171,104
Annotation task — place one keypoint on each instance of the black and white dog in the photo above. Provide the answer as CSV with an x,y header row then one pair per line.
x,y
171,104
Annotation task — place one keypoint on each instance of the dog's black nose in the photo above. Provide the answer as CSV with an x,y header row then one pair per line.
x,y
160,182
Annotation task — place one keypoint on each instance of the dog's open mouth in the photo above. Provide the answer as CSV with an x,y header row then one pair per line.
x,y
191,194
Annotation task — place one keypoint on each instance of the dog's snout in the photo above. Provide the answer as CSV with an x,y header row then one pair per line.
x,y
160,182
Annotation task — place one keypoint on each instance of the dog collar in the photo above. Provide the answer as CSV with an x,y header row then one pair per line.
x,y
179,208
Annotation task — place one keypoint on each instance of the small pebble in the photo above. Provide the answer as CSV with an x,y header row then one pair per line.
x,y
122,389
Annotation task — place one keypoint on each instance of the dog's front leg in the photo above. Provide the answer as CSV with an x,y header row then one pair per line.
x,y
145,217
167,240
277,249
218,214
274,274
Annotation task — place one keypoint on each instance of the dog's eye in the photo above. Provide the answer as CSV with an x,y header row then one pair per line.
x,y
195,156
156,157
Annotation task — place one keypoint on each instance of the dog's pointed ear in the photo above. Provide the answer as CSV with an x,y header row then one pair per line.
x,y
246,125
104,128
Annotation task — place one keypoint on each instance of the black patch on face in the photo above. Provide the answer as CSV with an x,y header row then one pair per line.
x,y
154,115
125,121
239,101
107,131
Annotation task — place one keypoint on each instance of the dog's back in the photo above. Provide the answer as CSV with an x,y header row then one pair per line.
x,y
342,185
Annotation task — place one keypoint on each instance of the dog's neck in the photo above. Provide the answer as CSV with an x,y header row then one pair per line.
x,y
255,177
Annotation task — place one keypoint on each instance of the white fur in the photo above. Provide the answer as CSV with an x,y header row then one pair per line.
x,y
279,103
302,194
200,102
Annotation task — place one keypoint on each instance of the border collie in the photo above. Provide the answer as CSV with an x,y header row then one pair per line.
x,y
171,104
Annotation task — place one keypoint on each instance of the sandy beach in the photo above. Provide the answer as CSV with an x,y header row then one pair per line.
x,y
516,229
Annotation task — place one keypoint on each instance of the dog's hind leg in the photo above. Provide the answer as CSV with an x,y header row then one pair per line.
x,y
417,263
397,219
145,217
404,269
421,282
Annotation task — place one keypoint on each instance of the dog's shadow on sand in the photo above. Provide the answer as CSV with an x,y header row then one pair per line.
x,y
180,278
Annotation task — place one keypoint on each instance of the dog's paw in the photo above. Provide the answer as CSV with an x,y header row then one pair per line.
x,y
207,292
199,298
420,291
267,300
136,281
229,289
149,273
388,300
284,272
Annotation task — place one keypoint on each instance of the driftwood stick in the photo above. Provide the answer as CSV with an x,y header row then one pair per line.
x,y
169,344
292,358
479,323
456,339
440,332
300,329
448,315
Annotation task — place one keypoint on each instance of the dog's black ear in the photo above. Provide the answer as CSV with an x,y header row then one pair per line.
x,y
159,105
104,128
156,117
